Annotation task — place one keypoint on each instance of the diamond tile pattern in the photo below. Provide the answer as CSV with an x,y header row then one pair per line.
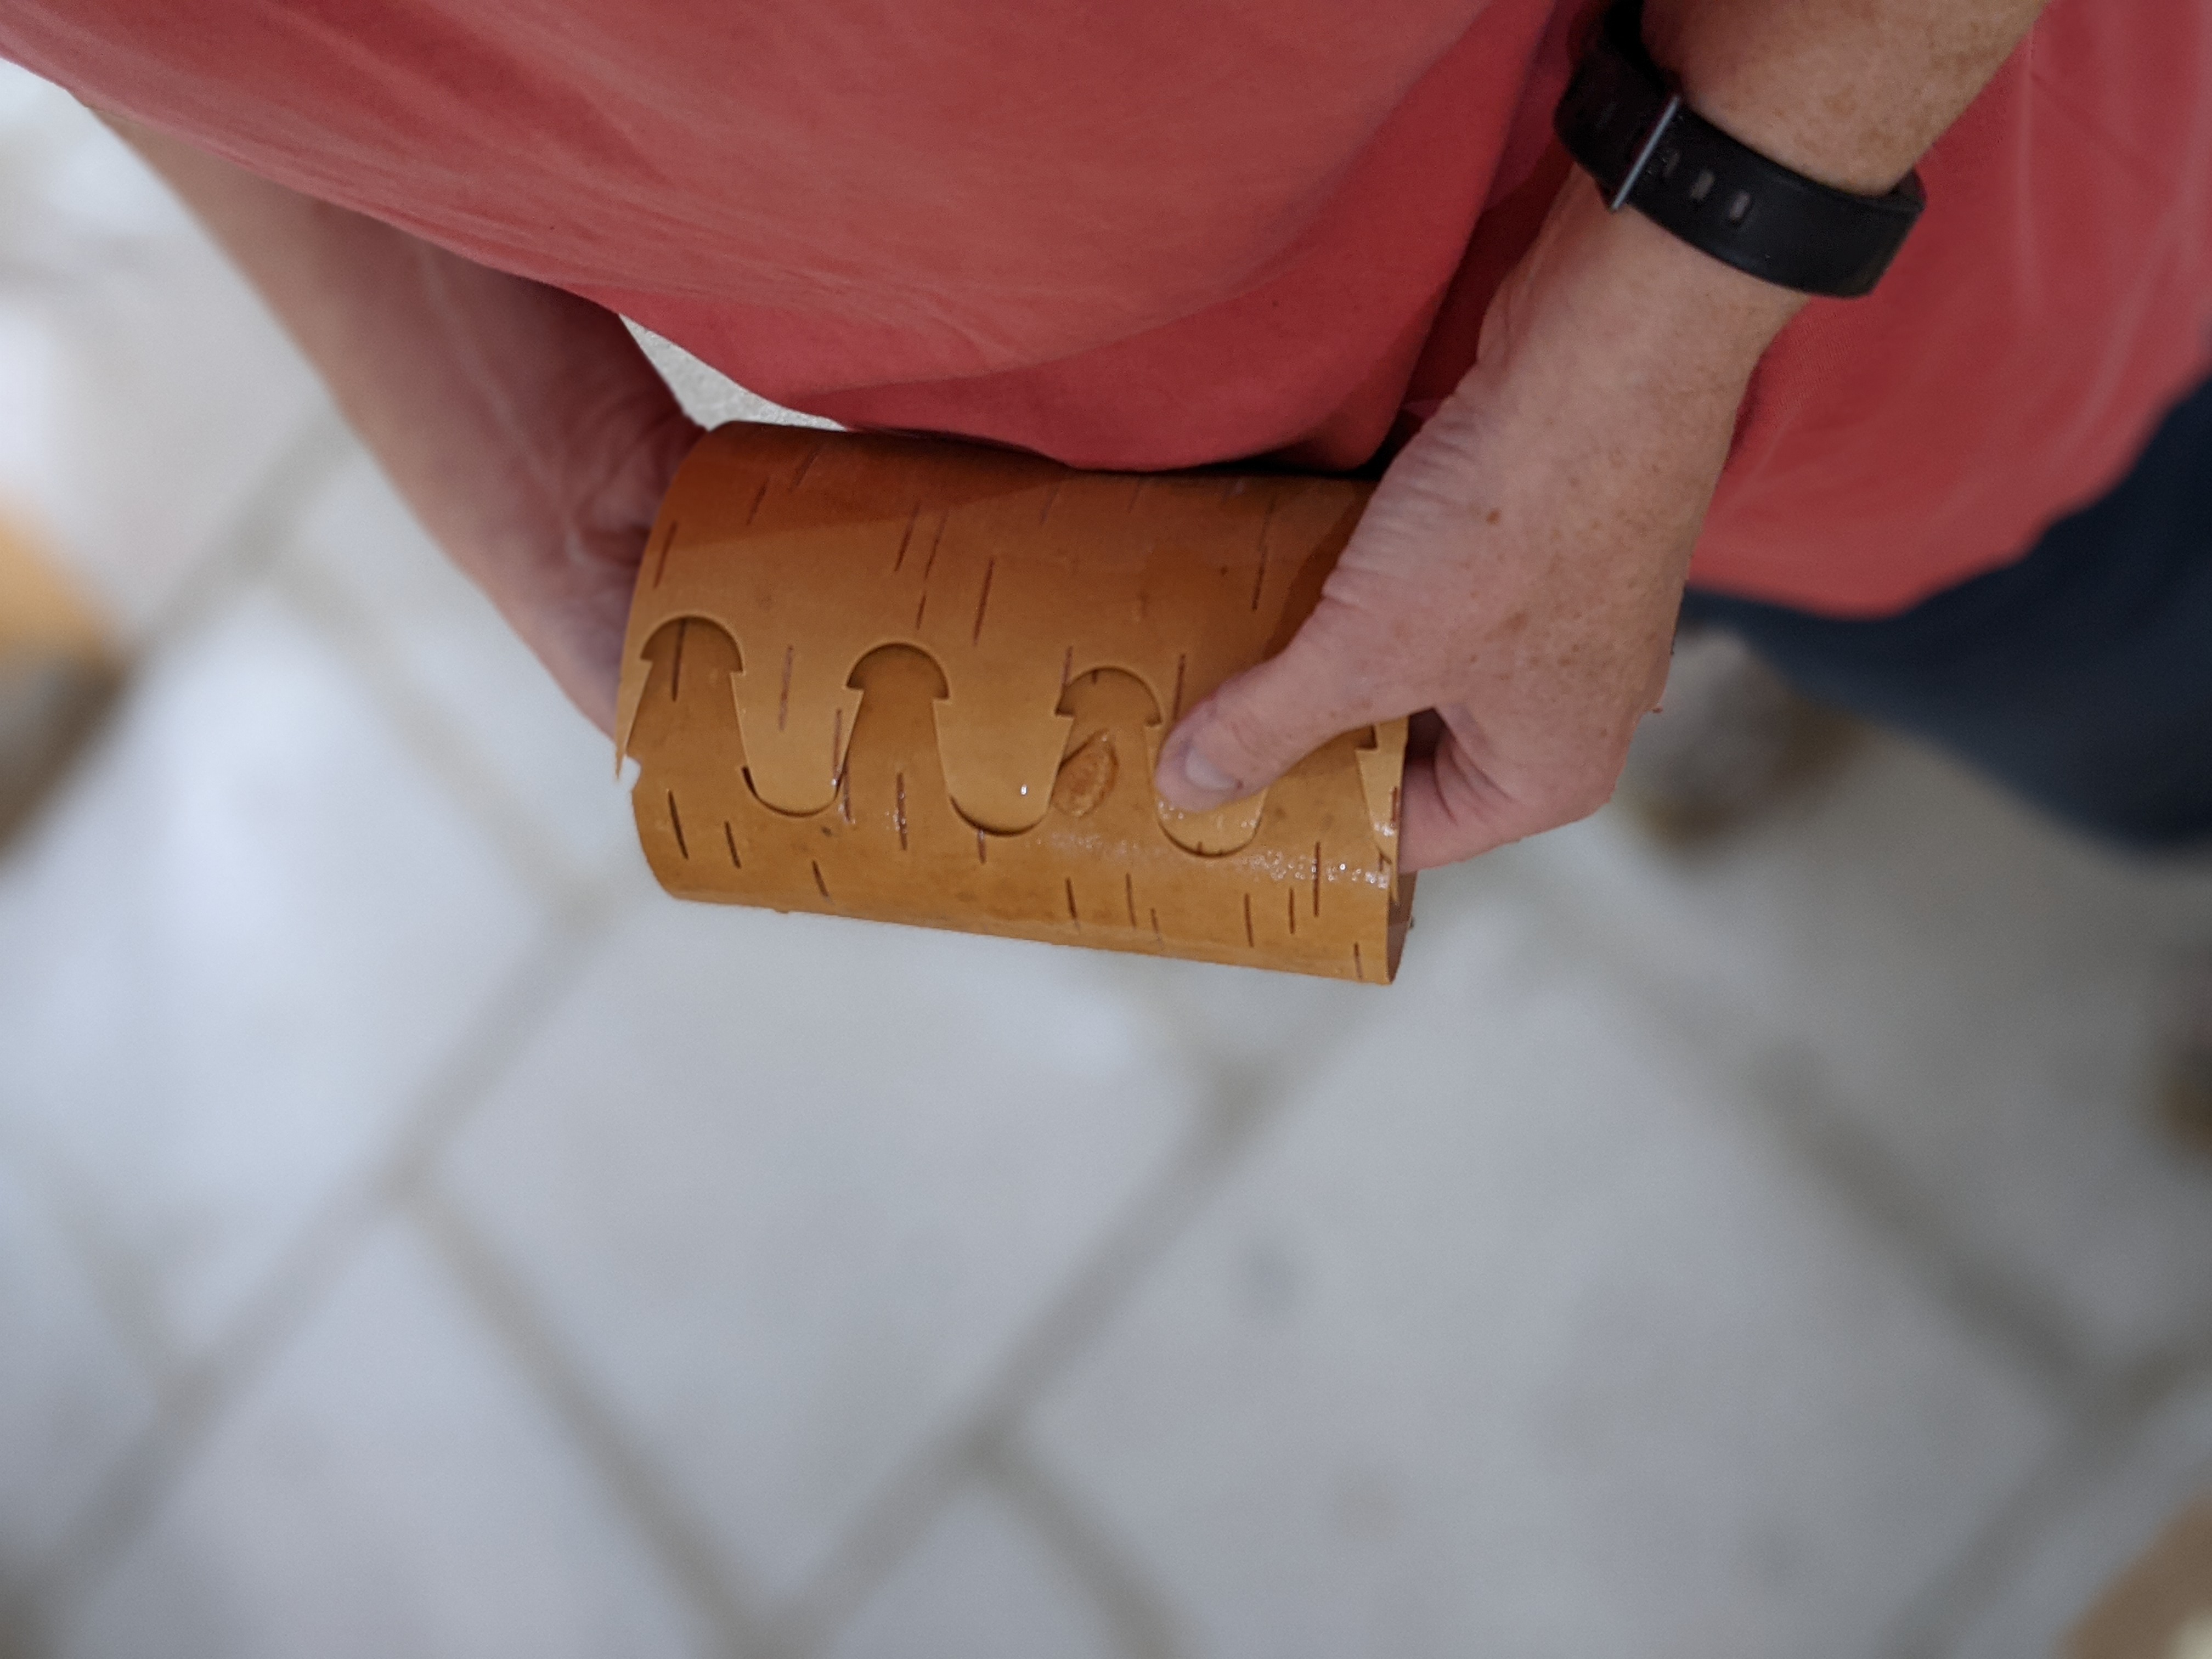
x,y
790,1187
1514,1336
350,1506
236,956
1973,994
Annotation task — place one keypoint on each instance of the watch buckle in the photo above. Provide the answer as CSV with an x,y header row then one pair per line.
x,y
1646,148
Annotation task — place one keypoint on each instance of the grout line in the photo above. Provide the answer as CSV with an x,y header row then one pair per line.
x,y
1980,1295
249,541
130,1320
206,1392
2101,1405
1940,1617
255,534
677,1538
1935,1620
1140,1622
1090,1296
423,727
122,1294
1848,1162
198,1396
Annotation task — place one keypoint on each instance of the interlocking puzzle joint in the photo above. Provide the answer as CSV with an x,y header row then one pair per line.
x,y
926,682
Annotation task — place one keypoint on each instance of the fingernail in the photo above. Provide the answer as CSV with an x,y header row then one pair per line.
x,y
1204,776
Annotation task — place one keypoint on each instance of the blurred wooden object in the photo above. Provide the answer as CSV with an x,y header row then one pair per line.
x,y
926,682
2161,1607
59,674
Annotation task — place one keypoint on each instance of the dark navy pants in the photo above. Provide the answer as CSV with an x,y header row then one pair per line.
x,y
2080,677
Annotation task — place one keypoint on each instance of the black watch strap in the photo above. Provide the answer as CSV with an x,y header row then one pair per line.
x,y
1624,119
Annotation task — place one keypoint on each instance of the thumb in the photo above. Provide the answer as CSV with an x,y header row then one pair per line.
x,y
1258,725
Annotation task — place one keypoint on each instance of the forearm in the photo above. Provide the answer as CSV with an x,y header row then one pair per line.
x,y
1851,92
505,412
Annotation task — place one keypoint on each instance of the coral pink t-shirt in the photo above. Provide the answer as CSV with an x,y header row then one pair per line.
x,y
1156,232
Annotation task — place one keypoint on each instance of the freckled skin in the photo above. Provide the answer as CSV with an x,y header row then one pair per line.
x,y
1559,635
1520,568
1748,63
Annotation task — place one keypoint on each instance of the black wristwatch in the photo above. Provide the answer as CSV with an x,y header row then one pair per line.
x,y
1624,119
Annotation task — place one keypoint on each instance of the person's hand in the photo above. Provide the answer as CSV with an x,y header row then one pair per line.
x,y
556,542
524,426
1515,581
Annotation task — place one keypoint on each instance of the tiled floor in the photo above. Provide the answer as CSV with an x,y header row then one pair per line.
x,y
417,1236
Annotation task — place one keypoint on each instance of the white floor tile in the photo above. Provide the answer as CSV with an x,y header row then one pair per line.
x,y
1517,1336
1259,1024
442,635
2098,1535
144,391
978,1586
71,1397
1975,989
1264,1030
230,960
392,1490
790,1186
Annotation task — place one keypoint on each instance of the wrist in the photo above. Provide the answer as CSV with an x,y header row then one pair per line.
x,y
1619,285
1612,364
